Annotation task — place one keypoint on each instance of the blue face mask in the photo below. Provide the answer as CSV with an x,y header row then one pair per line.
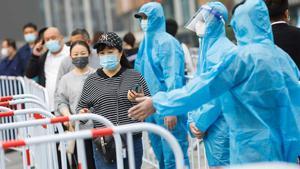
x,y
109,62
144,25
53,46
30,37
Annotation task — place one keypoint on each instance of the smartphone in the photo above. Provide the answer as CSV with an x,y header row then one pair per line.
x,y
137,88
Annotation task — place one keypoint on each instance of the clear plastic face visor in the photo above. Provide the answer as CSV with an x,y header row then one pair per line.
x,y
205,15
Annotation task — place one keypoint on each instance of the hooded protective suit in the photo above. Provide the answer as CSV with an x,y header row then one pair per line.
x,y
263,110
216,140
161,61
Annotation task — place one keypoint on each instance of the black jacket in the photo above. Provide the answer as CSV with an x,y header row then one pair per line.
x,y
288,38
35,68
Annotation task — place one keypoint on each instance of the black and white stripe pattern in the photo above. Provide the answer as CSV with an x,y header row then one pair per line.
x,y
107,97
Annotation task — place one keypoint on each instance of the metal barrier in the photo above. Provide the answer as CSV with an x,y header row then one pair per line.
x,y
50,150
115,131
39,122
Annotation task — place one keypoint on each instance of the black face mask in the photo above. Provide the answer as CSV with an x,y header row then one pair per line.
x,y
80,62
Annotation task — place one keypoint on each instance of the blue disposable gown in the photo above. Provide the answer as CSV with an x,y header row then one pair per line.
x,y
263,110
216,140
160,60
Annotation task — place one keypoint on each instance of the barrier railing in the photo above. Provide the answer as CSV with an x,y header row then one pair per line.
x,y
115,131
59,120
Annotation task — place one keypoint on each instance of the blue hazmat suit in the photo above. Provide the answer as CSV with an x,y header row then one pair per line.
x,y
263,110
160,60
216,140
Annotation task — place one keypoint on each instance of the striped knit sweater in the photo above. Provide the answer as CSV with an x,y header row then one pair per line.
x,y
108,96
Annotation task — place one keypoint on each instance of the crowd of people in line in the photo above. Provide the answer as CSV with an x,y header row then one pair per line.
x,y
244,99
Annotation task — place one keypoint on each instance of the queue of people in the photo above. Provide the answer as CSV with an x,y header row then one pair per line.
x,y
244,100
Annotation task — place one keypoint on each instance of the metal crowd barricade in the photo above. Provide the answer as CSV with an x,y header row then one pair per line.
x,y
81,157
10,85
114,130
32,157
22,86
196,153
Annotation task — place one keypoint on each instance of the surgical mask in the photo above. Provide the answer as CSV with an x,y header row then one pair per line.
x,y
53,46
144,25
109,62
4,52
80,62
200,28
30,37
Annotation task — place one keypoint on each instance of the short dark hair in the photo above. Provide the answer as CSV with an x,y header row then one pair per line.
x,y
277,8
11,43
30,25
171,27
82,43
82,32
129,39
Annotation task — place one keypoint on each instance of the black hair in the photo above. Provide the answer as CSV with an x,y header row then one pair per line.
x,y
124,62
277,8
82,32
82,43
41,34
30,25
171,27
11,43
129,39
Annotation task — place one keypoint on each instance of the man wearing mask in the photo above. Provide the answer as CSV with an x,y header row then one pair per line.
x,y
30,33
286,36
161,62
67,66
209,25
46,65
10,64
263,110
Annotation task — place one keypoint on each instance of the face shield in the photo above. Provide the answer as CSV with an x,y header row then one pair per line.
x,y
203,16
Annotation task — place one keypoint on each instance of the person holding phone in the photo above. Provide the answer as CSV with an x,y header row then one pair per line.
x,y
111,92
47,55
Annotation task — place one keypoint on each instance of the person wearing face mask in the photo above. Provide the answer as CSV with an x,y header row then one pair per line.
x,y
67,66
108,92
46,58
263,109
160,60
69,89
30,32
209,25
10,64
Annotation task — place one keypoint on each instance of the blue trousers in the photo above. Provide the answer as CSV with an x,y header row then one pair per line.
x,y
138,155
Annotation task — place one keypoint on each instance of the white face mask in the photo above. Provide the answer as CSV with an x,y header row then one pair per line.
x,y
200,28
144,25
4,52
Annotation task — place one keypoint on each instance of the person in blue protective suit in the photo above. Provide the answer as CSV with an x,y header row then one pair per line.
x,y
209,25
161,62
263,111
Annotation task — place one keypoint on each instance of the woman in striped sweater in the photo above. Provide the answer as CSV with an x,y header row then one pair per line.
x,y
108,93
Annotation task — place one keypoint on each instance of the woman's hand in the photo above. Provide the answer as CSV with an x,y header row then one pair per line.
x,y
132,95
